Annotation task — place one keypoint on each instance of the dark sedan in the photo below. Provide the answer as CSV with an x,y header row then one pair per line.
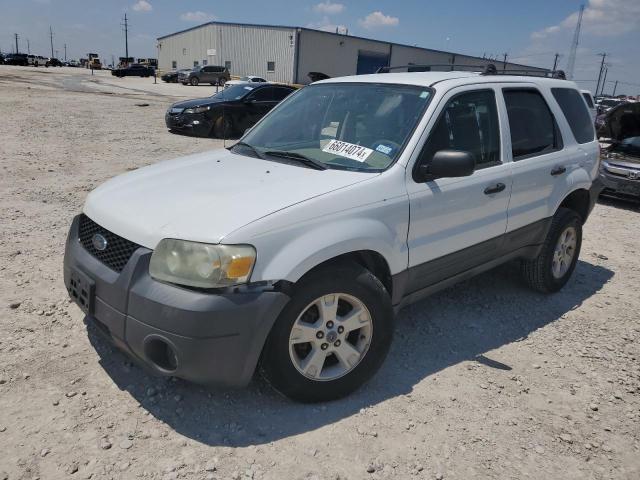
x,y
228,113
135,70
172,77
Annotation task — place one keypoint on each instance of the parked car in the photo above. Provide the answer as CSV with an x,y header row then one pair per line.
x,y
353,198
586,94
53,62
212,74
249,79
606,104
228,113
620,166
1,59
133,70
16,59
172,77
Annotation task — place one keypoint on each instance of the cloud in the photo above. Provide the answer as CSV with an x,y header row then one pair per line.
x,y
328,8
378,19
327,26
601,18
142,6
197,16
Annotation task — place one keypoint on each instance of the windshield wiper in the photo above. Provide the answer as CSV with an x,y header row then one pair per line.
x,y
250,147
298,158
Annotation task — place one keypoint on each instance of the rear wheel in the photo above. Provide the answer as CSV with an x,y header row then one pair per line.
x,y
331,337
194,81
552,268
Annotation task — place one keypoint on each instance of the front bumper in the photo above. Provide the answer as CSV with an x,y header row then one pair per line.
x,y
185,123
620,187
211,338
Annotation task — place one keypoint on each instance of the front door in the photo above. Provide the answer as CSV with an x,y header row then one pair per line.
x,y
459,223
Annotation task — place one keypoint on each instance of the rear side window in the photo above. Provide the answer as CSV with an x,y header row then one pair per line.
x,y
576,113
281,93
588,99
533,128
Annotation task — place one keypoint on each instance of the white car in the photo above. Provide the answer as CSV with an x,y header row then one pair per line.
x,y
243,80
354,197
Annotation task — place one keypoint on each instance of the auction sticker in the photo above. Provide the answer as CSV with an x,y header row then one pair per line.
x,y
348,150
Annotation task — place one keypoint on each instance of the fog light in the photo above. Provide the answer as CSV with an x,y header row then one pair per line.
x,y
196,122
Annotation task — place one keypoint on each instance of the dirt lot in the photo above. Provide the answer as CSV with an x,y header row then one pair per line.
x,y
484,380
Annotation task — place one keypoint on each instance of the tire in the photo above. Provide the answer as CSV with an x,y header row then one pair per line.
x,y
194,81
223,127
281,361
548,273
221,82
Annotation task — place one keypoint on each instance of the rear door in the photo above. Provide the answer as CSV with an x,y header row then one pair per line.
x,y
540,160
459,223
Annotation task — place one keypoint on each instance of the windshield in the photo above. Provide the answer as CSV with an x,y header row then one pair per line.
x,y
234,92
609,103
352,126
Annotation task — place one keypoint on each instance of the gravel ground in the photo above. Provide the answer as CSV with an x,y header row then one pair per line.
x,y
484,380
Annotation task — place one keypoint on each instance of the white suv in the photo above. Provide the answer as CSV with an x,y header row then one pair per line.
x,y
293,249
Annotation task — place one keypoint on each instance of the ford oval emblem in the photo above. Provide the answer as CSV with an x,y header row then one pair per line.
x,y
99,242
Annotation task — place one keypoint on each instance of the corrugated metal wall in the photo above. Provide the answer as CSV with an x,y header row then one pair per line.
x,y
248,48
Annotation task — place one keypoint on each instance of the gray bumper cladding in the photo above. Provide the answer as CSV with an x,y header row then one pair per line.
x,y
202,337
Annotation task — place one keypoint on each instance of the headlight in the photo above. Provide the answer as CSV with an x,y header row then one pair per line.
x,y
197,109
201,264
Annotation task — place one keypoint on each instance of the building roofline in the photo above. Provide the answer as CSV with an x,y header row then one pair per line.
x,y
289,27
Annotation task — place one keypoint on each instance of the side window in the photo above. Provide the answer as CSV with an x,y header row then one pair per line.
x,y
263,95
576,113
533,129
281,93
469,122
271,66
589,100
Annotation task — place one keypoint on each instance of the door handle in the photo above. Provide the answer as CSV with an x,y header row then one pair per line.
x,y
558,171
498,187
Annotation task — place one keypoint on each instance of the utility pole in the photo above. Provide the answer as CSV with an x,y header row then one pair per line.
x,y
28,47
126,39
555,62
615,86
604,80
51,38
504,61
16,36
56,53
65,52
603,55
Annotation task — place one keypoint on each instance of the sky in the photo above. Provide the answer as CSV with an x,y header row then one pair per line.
x,y
529,32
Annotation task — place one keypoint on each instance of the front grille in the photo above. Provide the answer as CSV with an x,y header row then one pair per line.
x,y
118,250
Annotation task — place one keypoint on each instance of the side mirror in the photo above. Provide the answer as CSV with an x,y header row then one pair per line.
x,y
448,164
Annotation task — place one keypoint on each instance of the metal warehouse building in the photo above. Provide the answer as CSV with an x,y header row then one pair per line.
x,y
288,54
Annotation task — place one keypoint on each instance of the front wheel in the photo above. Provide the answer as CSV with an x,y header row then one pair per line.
x,y
552,268
331,337
194,81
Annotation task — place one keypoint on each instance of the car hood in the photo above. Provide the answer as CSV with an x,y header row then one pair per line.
x,y
622,122
206,196
197,102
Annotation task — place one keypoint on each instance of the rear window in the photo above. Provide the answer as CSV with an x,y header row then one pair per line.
x,y
576,113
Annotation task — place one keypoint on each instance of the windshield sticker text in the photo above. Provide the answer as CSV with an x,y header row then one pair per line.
x,y
347,150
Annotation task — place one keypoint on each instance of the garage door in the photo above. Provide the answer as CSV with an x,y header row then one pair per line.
x,y
370,62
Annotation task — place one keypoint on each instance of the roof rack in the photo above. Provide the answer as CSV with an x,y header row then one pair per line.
x,y
488,69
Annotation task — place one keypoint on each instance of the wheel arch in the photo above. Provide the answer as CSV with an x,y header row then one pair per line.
x,y
578,201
